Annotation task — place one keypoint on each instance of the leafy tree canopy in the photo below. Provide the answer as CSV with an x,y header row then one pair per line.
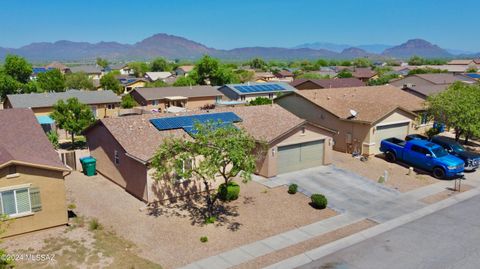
x,y
185,81
128,102
139,68
225,152
72,116
102,63
260,101
344,74
51,81
79,80
160,65
110,82
458,108
18,68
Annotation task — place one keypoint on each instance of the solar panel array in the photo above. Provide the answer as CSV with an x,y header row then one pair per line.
x,y
260,88
187,123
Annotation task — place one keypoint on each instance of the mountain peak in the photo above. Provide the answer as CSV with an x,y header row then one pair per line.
x,y
418,47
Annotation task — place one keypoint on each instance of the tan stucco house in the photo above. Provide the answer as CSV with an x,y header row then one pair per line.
x,y
361,116
162,98
125,146
103,103
32,186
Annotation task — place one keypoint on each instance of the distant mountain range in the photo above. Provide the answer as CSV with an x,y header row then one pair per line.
x,y
174,47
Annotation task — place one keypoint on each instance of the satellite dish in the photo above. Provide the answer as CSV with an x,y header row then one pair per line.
x,y
353,113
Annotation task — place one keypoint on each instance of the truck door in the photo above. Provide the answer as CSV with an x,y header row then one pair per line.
x,y
420,157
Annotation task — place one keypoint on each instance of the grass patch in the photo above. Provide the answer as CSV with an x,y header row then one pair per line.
x,y
93,225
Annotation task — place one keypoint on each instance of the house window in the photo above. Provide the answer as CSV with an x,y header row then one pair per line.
x,y
270,95
186,165
94,110
116,157
218,99
110,106
16,202
242,98
423,118
155,103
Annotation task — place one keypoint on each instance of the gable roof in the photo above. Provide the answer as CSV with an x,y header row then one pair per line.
x,y
363,73
331,83
141,139
154,76
444,78
186,68
89,69
284,73
427,90
370,102
118,66
48,99
163,92
24,141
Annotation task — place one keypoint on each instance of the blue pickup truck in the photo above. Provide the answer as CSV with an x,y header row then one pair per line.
x,y
424,155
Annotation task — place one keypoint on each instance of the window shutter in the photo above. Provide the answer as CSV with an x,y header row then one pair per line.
x,y
23,201
35,199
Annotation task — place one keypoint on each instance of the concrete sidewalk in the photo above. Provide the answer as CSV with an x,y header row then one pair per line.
x,y
390,210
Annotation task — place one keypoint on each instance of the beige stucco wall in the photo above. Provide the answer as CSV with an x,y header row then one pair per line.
x,y
129,173
52,195
312,113
267,166
102,110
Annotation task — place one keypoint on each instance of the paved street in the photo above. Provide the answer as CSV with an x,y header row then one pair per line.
x,y
448,238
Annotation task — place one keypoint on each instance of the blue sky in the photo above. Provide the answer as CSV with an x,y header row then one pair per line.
x,y
237,23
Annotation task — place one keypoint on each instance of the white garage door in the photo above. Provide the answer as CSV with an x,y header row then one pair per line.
x,y
300,156
398,130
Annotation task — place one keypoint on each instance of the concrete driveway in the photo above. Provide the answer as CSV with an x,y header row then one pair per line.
x,y
345,191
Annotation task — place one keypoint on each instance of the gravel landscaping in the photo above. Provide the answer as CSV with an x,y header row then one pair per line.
x,y
374,168
170,235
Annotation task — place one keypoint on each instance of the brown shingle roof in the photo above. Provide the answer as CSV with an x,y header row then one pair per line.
x,y
363,73
331,83
162,92
444,78
141,139
371,103
23,140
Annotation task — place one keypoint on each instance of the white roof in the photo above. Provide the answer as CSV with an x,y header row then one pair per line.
x,y
154,76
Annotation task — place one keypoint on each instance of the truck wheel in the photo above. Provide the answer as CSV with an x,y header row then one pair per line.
x,y
390,157
438,173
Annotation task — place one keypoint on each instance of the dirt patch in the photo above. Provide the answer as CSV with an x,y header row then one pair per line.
x,y
75,246
445,194
375,167
170,235
318,241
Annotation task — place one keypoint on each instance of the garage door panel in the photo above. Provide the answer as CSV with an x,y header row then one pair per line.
x,y
399,130
300,156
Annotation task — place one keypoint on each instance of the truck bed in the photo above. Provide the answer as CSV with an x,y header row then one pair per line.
x,y
396,141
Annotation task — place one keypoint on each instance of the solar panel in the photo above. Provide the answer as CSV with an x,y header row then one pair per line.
x,y
187,123
260,88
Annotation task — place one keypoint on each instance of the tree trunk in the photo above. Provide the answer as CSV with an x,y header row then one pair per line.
x,y
458,133
208,200
73,140
467,136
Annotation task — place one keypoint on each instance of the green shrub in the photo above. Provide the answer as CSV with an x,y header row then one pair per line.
x,y
292,189
94,225
210,220
319,201
53,137
204,239
228,192
72,206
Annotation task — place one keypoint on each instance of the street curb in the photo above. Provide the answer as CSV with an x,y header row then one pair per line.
x,y
348,241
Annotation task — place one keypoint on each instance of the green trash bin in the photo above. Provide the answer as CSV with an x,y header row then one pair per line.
x,y
89,165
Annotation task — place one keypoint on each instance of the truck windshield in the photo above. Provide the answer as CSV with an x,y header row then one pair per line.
x,y
439,152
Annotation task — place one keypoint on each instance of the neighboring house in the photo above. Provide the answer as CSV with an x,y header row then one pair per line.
x,y
39,70
284,75
124,147
423,85
124,69
326,71
456,69
364,74
93,71
308,84
264,77
401,71
362,116
57,65
249,91
130,83
183,70
194,97
154,76
32,185
467,63
103,103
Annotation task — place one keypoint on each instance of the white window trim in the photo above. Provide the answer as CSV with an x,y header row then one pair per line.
x,y
16,187
23,214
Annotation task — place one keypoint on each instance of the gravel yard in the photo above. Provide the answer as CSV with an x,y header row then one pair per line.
x,y
170,235
398,177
